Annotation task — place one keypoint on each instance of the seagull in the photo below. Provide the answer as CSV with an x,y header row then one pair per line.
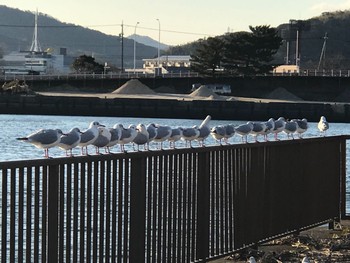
x,y
252,260
204,130
305,260
44,139
259,128
218,133
279,127
127,136
142,136
229,132
103,138
189,134
89,136
176,134
115,136
152,131
163,134
270,126
243,130
302,126
70,141
290,127
323,125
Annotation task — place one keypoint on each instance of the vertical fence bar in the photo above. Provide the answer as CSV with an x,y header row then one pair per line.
x,y
343,179
13,217
82,212
126,211
95,213
20,214
88,211
159,208
149,210
75,211
121,183
102,211
69,213
44,215
114,211
29,216
170,205
4,216
203,207
108,211
62,213
137,210
36,214
53,214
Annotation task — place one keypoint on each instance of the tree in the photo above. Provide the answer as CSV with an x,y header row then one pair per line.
x,y
208,56
251,53
87,64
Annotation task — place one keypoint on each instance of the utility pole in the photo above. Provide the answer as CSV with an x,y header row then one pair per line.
x,y
323,51
121,35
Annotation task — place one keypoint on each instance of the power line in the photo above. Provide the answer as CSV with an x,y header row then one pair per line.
x,y
107,25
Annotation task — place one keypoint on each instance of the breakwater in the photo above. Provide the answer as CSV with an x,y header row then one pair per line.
x,y
168,108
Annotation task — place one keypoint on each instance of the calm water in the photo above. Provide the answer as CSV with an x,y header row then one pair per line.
x,y
13,126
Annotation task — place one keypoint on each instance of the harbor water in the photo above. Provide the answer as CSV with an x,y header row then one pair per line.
x,y
14,126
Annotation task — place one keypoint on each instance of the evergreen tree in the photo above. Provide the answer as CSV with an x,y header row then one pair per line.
x,y
87,64
208,56
250,53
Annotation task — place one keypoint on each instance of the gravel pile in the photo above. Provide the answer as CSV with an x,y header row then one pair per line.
x,y
134,86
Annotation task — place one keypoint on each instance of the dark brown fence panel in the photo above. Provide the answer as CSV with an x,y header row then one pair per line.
x,y
182,205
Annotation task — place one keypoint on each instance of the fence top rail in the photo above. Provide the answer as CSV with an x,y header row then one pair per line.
x,y
132,155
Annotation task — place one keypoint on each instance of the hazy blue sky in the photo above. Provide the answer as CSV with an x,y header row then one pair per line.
x,y
181,21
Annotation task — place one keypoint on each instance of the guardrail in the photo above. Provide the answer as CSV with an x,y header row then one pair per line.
x,y
187,74
181,205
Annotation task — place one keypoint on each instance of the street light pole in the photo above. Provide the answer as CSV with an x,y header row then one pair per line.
x,y
135,46
158,44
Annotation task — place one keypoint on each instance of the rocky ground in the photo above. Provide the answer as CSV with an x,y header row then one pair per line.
x,y
319,244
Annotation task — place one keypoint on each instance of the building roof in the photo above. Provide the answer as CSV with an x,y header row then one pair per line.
x,y
169,58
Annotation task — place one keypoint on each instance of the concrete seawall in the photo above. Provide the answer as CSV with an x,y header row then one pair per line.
x,y
154,108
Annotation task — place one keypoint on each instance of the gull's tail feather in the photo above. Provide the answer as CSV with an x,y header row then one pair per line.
x,y
205,122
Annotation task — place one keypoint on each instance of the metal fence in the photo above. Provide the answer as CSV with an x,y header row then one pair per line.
x,y
181,205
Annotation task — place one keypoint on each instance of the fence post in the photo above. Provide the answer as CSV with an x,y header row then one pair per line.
x,y
203,207
137,210
52,223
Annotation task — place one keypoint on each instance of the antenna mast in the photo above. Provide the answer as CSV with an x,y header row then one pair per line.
x,y
121,35
35,43
323,51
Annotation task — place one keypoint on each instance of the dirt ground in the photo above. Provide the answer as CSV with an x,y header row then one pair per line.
x,y
319,244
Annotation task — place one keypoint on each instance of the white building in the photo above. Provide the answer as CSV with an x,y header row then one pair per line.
x,y
169,64
34,61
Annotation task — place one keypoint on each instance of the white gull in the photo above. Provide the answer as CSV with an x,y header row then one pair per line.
x,y
44,139
323,125
70,141
89,136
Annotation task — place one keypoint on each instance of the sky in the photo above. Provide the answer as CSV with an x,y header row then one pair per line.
x,y
177,22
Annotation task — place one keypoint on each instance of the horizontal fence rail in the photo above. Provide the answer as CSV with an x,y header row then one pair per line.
x,y
181,205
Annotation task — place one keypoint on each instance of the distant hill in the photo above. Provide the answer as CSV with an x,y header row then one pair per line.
x,y
311,42
148,41
329,31
16,32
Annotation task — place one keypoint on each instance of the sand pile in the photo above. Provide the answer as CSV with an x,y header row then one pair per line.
x,y
282,94
133,86
205,92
